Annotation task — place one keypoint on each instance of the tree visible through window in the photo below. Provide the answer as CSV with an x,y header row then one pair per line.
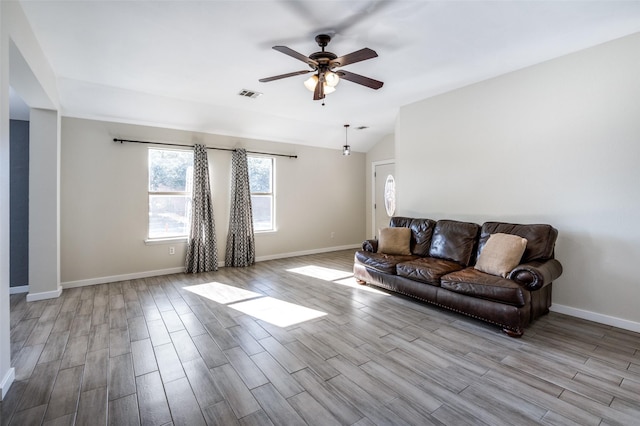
x,y
261,185
170,176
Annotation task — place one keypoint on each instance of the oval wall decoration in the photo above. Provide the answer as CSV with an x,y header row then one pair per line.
x,y
390,195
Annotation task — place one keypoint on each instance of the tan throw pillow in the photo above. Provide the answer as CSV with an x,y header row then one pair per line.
x,y
501,253
394,241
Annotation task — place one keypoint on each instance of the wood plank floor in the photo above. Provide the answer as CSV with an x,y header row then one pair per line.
x,y
296,341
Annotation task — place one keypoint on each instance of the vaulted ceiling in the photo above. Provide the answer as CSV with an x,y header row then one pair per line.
x,y
181,64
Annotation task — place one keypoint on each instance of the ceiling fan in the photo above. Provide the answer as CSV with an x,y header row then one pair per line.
x,y
324,65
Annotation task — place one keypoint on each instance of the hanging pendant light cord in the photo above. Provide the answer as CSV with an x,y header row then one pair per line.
x,y
346,149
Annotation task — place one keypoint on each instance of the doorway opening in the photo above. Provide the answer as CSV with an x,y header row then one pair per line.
x,y
19,113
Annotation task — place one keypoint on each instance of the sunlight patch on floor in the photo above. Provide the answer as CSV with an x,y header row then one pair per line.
x,y
351,282
222,293
321,272
257,305
277,312
335,276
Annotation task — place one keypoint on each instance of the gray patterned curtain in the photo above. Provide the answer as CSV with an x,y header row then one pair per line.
x,y
240,242
202,251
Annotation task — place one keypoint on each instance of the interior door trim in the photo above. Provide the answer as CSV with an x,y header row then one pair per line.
x,y
374,164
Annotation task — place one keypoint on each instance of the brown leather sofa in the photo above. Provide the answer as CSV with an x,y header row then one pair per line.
x,y
440,270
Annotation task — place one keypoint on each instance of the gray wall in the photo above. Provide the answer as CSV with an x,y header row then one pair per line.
x,y
554,143
19,203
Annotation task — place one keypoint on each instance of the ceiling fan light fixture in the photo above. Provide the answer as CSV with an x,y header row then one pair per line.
x,y
331,79
312,81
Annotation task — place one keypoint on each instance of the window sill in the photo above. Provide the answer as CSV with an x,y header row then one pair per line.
x,y
270,231
155,241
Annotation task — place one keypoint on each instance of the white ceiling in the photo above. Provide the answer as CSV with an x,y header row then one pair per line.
x,y
181,64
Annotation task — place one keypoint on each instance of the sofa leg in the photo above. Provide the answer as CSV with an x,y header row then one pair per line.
x,y
361,282
513,333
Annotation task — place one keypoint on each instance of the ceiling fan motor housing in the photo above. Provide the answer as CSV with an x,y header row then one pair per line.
x,y
323,40
323,58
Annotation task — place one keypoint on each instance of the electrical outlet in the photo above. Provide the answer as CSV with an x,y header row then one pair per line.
x,y
333,234
172,250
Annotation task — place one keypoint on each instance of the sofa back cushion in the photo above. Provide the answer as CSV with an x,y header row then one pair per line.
x,y
453,240
541,239
421,232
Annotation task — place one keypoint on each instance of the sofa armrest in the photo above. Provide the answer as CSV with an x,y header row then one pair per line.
x,y
536,274
370,246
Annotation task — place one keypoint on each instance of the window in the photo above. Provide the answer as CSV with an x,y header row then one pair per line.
x,y
261,185
170,182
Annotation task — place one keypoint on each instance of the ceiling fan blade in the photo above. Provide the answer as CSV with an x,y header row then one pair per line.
x,y
298,56
278,77
353,57
360,79
318,93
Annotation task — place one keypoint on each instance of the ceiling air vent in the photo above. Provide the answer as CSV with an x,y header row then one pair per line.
x,y
249,93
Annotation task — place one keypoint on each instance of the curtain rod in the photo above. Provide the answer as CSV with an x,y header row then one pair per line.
x,y
208,147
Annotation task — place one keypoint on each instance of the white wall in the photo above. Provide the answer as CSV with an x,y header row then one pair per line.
x,y
7,374
24,66
104,200
555,143
44,205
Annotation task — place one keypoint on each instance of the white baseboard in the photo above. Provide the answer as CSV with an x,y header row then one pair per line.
x,y
596,317
147,274
7,380
307,252
123,277
44,295
19,289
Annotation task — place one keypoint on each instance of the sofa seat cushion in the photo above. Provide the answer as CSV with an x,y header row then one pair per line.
x,y
475,283
385,263
427,270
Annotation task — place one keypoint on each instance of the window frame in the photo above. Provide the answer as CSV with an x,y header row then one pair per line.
x,y
271,194
187,193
